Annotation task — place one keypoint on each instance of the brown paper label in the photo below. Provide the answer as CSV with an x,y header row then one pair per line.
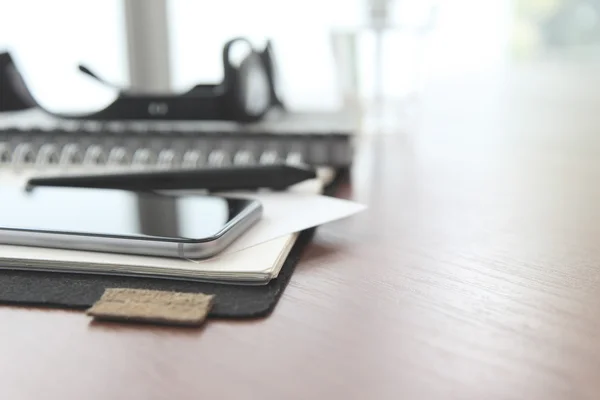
x,y
171,308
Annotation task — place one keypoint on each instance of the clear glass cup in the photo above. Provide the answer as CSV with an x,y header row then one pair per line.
x,y
379,63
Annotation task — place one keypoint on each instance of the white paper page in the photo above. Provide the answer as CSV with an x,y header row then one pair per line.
x,y
288,212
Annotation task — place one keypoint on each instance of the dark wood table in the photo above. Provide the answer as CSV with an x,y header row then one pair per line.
x,y
475,274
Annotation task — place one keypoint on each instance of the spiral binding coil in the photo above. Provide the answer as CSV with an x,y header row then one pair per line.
x,y
71,154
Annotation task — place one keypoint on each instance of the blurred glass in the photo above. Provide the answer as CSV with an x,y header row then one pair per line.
x,y
379,60
385,42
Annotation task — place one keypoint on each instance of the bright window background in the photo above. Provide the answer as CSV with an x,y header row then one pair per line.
x,y
49,39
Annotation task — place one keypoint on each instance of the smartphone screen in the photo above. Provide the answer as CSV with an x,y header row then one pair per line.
x,y
118,213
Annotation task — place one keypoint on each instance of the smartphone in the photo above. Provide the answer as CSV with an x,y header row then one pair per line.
x,y
121,221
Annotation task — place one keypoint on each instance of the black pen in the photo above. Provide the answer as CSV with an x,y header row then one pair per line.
x,y
276,177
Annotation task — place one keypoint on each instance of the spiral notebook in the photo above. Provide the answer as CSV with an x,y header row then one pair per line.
x,y
32,138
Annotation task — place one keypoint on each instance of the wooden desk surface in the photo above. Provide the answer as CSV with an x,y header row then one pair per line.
x,y
475,274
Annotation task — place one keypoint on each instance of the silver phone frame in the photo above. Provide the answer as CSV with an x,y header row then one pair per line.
x,y
151,246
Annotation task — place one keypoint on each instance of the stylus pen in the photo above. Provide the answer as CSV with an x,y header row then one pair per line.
x,y
276,177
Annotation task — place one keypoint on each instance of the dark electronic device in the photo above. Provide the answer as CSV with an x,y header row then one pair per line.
x,y
122,221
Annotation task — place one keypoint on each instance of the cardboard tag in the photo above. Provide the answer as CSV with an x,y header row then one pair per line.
x,y
154,306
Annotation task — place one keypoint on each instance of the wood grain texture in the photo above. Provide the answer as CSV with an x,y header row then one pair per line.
x,y
475,274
